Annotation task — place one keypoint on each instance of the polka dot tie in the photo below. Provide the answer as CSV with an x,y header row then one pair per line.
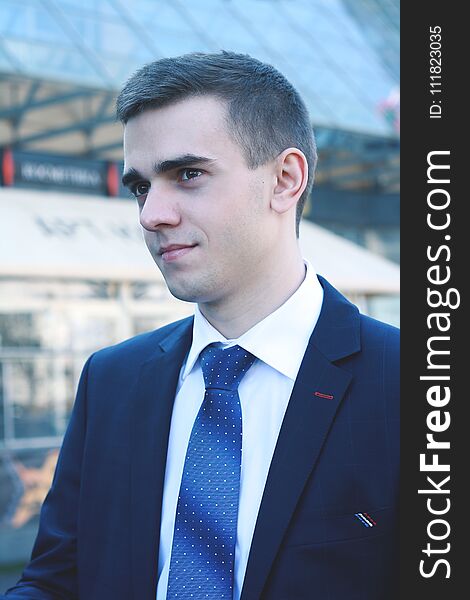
x,y
202,557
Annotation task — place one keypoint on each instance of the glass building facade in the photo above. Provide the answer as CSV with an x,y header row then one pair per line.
x,y
334,51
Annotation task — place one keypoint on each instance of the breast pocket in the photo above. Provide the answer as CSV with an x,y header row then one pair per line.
x,y
318,528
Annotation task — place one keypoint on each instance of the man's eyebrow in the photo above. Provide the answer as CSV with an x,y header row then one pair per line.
x,y
184,160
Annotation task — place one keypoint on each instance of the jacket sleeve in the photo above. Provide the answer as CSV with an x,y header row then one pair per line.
x,y
52,571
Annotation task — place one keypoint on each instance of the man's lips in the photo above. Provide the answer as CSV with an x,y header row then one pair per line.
x,y
174,251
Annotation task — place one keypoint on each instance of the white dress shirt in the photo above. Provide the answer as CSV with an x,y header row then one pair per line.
x,y
279,342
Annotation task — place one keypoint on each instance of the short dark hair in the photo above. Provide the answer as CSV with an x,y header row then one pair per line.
x,y
266,114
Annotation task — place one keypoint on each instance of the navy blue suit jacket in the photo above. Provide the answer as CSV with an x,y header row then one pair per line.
x,y
336,456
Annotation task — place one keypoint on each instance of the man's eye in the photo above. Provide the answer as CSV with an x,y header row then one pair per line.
x,y
187,174
140,189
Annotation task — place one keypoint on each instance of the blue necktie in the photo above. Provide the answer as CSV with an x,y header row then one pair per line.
x,y
202,557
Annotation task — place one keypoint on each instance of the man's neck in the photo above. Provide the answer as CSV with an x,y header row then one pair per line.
x,y
234,319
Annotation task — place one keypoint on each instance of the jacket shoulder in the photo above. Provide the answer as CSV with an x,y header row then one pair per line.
x,y
380,345
374,330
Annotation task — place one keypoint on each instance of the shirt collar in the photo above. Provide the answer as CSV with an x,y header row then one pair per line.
x,y
279,340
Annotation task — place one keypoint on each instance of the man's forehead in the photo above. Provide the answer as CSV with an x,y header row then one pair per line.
x,y
191,110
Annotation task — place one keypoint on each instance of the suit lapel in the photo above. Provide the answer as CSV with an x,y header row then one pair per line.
x,y
305,427
150,426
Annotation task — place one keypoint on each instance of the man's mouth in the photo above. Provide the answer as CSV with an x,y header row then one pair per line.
x,y
174,251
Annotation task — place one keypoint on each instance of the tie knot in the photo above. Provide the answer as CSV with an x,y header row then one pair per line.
x,y
224,368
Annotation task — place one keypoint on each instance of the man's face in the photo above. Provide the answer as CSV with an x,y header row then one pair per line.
x,y
206,216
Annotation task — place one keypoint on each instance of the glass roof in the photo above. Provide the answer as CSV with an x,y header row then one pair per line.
x,y
342,55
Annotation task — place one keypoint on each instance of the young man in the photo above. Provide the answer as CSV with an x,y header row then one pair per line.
x,y
250,452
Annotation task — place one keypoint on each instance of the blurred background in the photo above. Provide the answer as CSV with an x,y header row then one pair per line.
x,y
74,272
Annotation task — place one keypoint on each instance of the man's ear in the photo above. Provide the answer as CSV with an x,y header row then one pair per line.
x,y
291,171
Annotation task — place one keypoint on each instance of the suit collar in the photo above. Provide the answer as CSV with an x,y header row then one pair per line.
x,y
337,334
180,334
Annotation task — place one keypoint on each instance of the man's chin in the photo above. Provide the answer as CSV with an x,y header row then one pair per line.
x,y
183,296
181,292
190,291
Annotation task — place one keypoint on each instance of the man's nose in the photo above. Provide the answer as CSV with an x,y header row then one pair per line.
x,y
158,210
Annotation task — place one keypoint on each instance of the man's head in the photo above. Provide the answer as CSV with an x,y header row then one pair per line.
x,y
219,153
266,114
